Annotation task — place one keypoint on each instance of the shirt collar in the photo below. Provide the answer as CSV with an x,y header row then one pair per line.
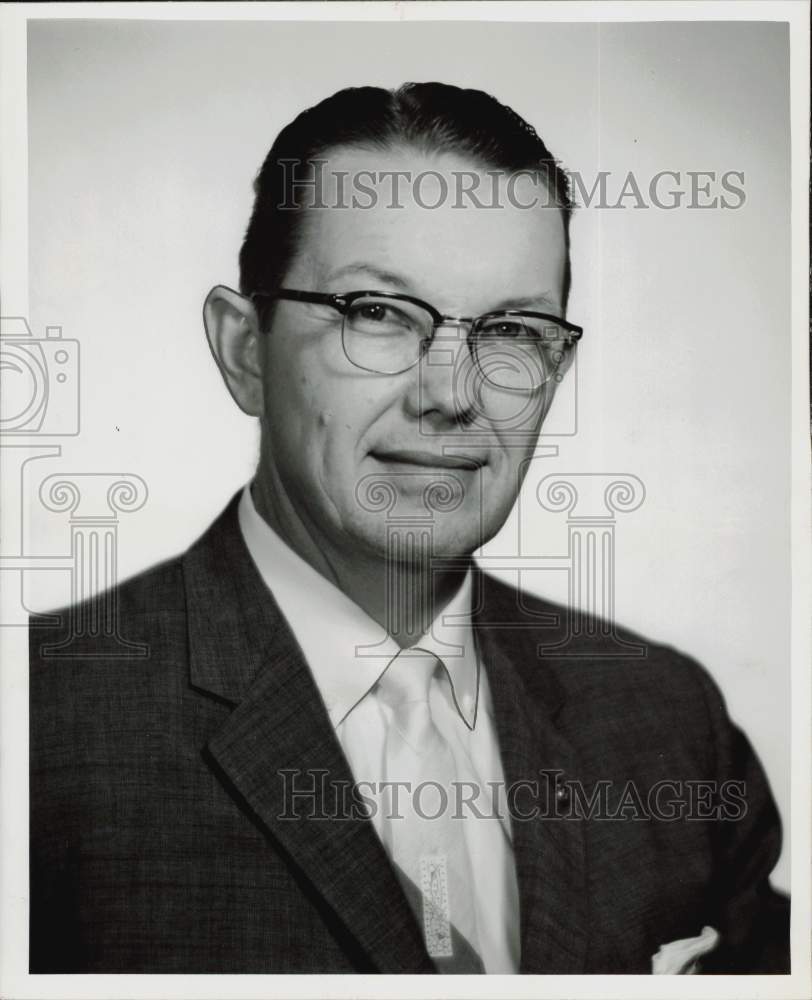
x,y
451,639
346,650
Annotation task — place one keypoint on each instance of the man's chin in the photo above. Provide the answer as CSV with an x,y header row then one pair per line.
x,y
405,491
416,540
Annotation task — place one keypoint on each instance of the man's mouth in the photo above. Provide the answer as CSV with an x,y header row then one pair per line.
x,y
428,459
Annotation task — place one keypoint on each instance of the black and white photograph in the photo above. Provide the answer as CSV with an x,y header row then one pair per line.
x,y
405,499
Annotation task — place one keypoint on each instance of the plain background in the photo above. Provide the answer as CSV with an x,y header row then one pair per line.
x,y
144,138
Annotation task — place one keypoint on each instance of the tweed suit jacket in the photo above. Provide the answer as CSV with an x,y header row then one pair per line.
x,y
163,837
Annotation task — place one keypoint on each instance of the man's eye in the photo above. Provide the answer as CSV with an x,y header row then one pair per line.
x,y
505,328
374,312
379,317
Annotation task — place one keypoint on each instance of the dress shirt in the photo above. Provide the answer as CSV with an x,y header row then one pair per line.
x,y
347,651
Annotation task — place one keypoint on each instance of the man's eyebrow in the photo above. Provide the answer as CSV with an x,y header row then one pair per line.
x,y
379,274
541,301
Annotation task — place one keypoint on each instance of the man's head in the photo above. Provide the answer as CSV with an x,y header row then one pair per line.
x,y
343,415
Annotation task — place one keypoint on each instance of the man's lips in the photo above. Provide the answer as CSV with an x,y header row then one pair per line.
x,y
428,459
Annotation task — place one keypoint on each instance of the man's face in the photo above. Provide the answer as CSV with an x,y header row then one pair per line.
x,y
352,450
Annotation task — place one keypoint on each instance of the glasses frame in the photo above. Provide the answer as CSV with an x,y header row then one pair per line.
x,y
342,301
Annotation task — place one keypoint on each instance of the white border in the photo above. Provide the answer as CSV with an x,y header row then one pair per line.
x,y
791,11
15,983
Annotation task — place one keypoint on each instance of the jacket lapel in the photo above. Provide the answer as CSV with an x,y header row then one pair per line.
x,y
549,852
278,756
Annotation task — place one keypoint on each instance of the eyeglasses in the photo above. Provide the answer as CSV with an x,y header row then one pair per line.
x,y
387,333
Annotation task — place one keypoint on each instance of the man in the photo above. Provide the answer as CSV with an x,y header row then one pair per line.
x,y
344,751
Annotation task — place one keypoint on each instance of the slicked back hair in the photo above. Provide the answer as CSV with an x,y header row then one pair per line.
x,y
432,118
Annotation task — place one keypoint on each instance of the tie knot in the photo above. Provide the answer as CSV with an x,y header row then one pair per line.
x,y
407,678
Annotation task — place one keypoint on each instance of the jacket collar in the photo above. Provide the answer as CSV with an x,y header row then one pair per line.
x,y
233,629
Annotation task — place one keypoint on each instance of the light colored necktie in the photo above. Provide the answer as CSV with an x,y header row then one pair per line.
x,y
425,843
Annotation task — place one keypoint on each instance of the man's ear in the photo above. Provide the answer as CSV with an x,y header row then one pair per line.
x,y
234,338
562,363
567,358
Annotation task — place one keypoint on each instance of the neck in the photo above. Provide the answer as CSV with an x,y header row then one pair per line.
x,y
403,593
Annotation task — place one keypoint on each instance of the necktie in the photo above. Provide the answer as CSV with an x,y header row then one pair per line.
x,y
425,842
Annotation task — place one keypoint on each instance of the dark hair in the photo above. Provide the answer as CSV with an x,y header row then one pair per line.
x,y
433,117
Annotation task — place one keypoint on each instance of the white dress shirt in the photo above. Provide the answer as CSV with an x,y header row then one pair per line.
x,y
347,651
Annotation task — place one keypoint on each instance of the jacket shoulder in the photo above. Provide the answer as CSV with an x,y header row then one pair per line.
x,y
130,640
590,657
142,603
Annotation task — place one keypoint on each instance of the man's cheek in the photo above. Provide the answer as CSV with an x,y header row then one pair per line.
x,y
334,440
510,412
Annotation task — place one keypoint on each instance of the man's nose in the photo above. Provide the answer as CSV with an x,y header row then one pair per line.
x,y
446,384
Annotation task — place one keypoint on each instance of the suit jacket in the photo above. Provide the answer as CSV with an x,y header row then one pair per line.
x,y
159,837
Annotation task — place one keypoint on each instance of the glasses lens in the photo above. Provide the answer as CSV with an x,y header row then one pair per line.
x,y
384,335
519,352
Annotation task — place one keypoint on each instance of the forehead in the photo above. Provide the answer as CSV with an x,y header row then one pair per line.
x,y
410,214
